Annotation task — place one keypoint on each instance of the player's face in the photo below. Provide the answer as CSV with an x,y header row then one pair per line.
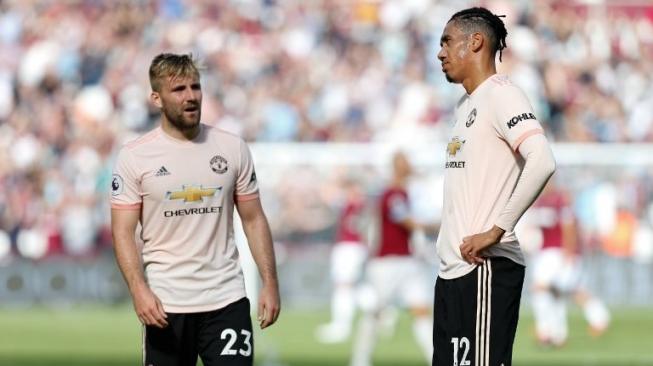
x,y
181,101
402,166
453,53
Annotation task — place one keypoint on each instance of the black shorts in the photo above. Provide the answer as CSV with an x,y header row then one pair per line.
x,y
220,337
476,315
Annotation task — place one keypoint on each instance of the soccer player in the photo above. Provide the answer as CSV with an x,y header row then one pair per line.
x,y
347,262
557,271
181,181
393,272
497,161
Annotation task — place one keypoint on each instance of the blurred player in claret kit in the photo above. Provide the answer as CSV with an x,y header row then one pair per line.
x,y
497,162
348,258
181,181
395,275
557,271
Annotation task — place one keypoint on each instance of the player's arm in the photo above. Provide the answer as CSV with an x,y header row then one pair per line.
x,y
538,167
569,239
147,306
516,123
569,235
259,239
400,213
411,225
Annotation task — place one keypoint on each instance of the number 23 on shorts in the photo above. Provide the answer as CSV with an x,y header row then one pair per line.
x,y
231,336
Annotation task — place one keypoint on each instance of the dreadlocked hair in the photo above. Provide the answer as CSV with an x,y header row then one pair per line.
x,y
482,20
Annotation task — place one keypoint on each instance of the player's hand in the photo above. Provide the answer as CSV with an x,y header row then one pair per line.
x,y
149,308
269,305
473,245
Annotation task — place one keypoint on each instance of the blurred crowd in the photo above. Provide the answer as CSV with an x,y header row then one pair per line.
x,y
74,87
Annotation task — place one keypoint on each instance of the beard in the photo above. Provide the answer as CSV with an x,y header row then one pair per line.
x,y
180,120
450,78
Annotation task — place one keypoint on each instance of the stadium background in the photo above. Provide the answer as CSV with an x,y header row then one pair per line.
x,y
321,90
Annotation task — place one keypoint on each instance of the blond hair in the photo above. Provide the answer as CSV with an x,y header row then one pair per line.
x,y
171,65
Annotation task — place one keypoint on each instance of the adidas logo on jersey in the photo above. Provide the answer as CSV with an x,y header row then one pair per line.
x,y
161,172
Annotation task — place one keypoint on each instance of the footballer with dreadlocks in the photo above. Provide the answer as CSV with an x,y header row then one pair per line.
x,y
497,162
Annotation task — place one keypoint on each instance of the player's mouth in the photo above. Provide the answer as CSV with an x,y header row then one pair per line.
x,y
191,109
444,64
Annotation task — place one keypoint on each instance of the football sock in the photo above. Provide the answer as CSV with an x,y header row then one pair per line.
x,y
542,304
343,305
365,341
559,321
423,331
596,314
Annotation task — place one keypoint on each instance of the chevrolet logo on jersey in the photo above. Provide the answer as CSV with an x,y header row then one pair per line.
x,y
454,146
192,193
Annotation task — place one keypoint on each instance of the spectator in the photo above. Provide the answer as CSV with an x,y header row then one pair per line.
x,y
72,83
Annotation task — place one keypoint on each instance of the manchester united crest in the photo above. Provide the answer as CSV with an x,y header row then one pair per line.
x,y
219,164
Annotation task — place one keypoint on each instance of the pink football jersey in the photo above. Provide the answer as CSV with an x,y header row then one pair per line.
x,y
482,169
185,191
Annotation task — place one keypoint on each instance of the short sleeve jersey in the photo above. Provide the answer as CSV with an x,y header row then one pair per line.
x,y
349,223
482,168
395,238
553,211
185,191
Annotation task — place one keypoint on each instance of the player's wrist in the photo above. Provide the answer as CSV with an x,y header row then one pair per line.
x,y
139,287
270,283
495,234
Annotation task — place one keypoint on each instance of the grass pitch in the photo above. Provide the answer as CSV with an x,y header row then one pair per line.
x,y
104,336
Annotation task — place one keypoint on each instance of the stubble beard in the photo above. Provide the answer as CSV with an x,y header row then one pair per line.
x,y
180,122
451,78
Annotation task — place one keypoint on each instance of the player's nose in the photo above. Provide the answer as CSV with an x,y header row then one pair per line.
x,y
441,55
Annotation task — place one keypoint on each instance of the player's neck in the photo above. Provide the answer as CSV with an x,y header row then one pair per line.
x,y
478,74
188,134
399,182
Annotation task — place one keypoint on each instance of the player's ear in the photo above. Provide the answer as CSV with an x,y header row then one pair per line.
x,y
476,41
155,98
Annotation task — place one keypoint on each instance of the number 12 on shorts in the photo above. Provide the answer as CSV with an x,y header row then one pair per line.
x,y
460,343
